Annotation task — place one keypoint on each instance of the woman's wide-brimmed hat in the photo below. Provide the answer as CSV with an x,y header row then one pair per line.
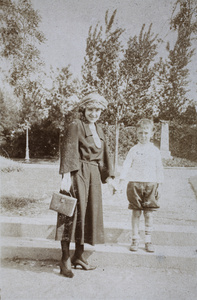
x,y
95,100
70,103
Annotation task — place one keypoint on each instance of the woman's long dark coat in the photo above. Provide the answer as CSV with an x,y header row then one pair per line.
x,y
89,165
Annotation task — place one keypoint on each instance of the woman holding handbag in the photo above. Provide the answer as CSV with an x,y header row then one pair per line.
x,y
84,164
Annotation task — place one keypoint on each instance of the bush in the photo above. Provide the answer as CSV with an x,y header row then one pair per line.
x,y
127,139
183,141
44,140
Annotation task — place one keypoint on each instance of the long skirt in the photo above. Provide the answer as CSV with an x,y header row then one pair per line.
x,y
86,225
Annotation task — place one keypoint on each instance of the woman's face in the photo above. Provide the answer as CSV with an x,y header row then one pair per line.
x,y
92,114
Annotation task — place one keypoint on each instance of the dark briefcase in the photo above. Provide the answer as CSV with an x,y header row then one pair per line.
x,y
63,204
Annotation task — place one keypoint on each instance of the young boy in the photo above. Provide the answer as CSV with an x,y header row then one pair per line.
x,y
143,171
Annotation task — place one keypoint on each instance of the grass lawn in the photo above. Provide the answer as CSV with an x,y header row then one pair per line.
x,y
29,191
8,165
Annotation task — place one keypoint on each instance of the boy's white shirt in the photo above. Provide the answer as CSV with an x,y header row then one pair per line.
x,y
143,164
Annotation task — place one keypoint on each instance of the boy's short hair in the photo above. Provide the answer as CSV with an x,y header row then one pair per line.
x,y
145,123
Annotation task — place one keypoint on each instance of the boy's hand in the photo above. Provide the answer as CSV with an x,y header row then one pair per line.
x,y
121,183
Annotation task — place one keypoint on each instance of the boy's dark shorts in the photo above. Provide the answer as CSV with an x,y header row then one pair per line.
x,y
142,195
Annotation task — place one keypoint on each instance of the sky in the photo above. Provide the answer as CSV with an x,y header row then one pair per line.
x,y
65,24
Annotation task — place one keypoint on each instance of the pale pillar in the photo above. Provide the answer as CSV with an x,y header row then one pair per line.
x,y
164,144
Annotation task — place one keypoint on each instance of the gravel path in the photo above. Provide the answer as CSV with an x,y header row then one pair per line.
x,y
35,280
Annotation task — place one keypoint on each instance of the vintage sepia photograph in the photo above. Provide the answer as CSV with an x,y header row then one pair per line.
x,y
98,149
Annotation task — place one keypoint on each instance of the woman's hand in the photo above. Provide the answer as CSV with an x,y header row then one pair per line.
x,y
66,182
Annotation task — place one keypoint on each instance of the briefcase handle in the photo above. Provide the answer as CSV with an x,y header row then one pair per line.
x,y
62,199
66,193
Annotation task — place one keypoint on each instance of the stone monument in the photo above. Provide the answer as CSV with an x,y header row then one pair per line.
x,y
164,144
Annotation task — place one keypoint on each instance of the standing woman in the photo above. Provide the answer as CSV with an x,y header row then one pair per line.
x,y
84,164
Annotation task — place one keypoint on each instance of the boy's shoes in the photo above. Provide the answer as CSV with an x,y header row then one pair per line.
x,y
149,247
134,245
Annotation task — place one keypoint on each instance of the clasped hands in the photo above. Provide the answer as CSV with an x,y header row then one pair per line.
x,y
66,183
116,187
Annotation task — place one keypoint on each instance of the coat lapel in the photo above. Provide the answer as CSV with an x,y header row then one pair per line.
x,y
89,133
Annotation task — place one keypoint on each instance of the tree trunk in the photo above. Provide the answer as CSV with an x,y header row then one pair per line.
x,y
117,130
60,143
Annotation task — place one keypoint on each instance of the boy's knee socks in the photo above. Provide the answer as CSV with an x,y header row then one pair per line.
x,y
135,237
148,231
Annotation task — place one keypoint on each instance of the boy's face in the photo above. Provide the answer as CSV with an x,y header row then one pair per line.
x,y
144,134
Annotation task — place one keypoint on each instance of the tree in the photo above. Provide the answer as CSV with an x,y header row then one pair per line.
x,y
19,39
123,77
60,102
101,68
173,73
62,98
9,120
138,71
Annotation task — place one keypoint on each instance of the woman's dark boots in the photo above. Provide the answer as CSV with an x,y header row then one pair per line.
x,y
79,260
65,263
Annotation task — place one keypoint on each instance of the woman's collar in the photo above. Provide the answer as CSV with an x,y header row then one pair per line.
x,y
88,132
